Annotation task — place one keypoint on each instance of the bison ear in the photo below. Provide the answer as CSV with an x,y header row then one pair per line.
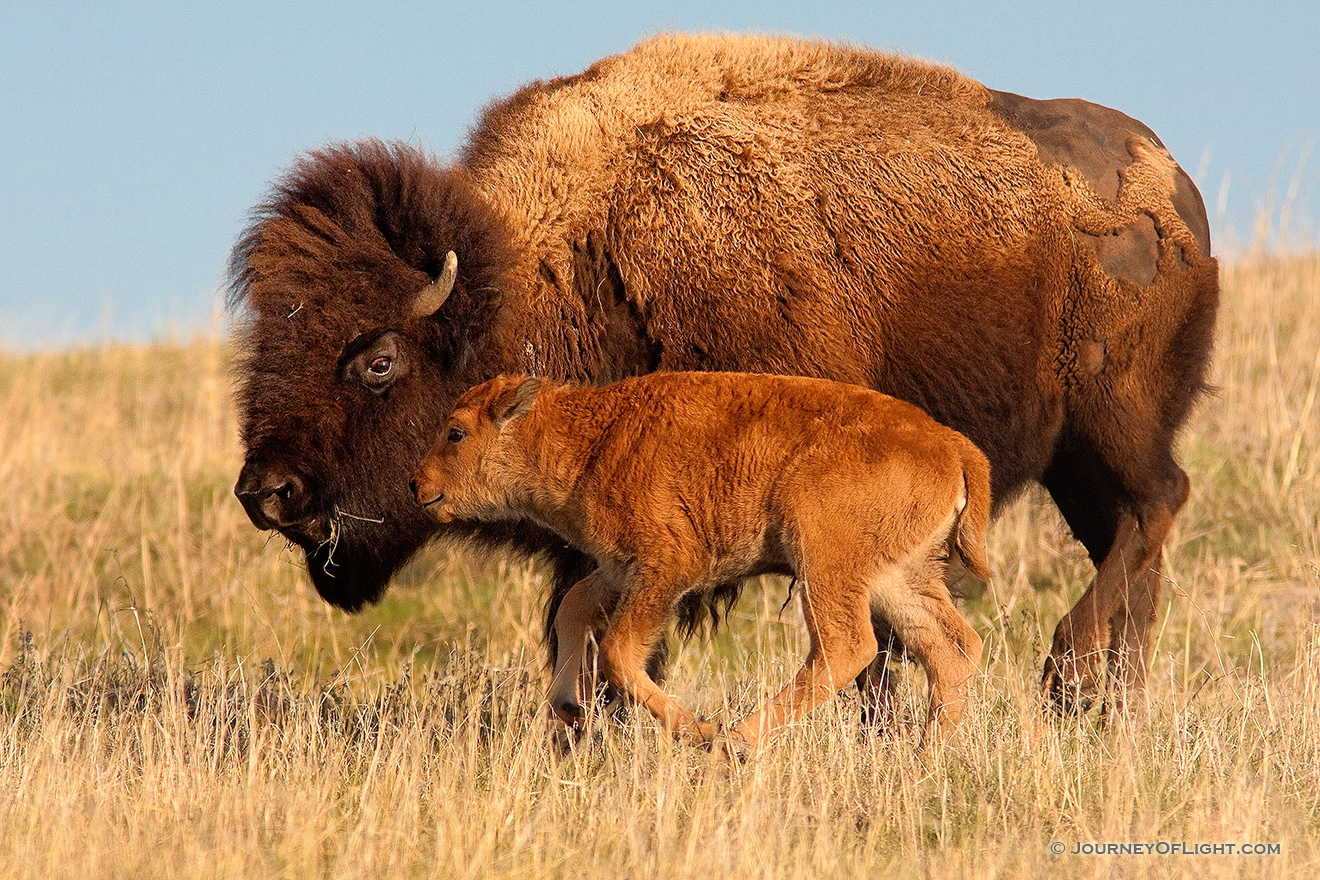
x,y
516,400
431,297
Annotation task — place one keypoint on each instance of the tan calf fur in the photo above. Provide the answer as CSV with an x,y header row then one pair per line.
x,y
677,482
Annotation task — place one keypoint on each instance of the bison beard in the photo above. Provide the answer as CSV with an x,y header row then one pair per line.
x,y
351,579
1034,274
353,573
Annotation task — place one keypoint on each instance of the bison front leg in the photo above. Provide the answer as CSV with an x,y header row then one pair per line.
x,y
1129,637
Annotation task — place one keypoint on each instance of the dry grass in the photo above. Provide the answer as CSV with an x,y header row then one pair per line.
x,y
176,702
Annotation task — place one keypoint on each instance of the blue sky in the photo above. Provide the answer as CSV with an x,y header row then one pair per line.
x,y
135,136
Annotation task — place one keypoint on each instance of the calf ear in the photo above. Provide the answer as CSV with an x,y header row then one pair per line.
x,y
515,400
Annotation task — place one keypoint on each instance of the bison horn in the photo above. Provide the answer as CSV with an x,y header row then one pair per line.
x,y
431,297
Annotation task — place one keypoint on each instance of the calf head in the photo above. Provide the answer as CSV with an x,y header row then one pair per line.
x,y
474,466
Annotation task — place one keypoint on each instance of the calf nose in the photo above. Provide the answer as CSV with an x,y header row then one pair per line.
x,y
274,497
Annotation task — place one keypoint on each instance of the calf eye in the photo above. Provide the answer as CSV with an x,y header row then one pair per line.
x,y
456,435
381,366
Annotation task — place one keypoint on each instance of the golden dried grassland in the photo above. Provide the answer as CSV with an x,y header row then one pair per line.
x,y
176,702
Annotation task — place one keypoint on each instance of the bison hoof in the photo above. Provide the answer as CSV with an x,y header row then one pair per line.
x,y
1071,686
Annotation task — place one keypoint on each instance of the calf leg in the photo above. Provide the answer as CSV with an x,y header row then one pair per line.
x,y
580,611
637,624
917,603
569,567
876,683
843,643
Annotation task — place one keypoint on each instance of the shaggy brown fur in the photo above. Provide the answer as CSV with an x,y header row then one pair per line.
x,y
677,482
1034,274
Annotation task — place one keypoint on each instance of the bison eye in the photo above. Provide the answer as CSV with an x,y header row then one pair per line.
x,y
456,435
375,361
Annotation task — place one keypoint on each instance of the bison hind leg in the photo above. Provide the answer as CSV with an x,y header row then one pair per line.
x,y
877,683
1121,508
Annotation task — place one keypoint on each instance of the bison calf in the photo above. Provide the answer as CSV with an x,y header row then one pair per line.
x,y
678,482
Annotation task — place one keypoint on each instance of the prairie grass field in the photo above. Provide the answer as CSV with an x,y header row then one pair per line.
x,y
175,700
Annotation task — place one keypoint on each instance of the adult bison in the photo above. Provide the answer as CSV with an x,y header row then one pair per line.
x,y
1035,274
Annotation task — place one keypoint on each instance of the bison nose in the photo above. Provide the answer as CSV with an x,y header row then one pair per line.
x,y
273,497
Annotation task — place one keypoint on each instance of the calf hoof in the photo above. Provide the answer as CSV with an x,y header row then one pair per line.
x,y
705,734
729,750
725,746
734,750
1071,686
719,743
563,742
570,712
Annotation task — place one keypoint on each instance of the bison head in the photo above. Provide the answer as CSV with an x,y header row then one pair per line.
x,y
369,284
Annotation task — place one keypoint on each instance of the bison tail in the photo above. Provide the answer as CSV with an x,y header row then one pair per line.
x,y
969,539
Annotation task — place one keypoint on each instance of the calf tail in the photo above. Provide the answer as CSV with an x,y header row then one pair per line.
x,y
974,518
